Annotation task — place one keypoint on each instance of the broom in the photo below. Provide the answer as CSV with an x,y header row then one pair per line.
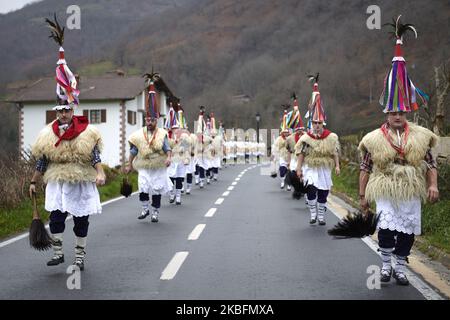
x,y
39,237
126,189
298,185
287,178
356,225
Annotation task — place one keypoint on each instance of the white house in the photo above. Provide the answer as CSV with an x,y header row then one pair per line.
x,y
114,104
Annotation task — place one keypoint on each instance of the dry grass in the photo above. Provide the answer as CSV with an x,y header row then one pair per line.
x,y
16,176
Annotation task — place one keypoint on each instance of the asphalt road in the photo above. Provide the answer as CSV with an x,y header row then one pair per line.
x,y
257,244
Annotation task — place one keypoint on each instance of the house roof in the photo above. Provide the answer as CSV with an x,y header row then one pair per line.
x,y
91,88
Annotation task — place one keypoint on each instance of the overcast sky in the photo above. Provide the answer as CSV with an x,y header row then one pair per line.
x,y
11,5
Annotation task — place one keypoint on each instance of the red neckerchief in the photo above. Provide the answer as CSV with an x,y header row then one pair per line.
x,y
297,136
400,149
78,125
324,134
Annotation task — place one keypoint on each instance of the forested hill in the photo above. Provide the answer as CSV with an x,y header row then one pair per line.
x,y
211,50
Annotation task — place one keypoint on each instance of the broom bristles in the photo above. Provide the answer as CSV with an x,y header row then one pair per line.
x,y
298,185
287,178
126,189
39,237
297,195
355,225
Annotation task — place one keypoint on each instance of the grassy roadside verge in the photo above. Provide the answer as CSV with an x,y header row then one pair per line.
x,y
435,217
18,218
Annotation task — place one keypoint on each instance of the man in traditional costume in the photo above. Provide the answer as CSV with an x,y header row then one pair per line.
x,y
281,151
191,166
397,168
202,148
240,149
223,135
262,151
187,145
216,149
68,153
253,150
295,123
318,154
150,155
179,141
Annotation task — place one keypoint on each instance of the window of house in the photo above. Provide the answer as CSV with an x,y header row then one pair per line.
x,y
131,117
50,115
95,116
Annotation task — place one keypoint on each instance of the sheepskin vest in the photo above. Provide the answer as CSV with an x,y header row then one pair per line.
x,y
290,142
217,147
320,152
203,150
71,160
193,142
150,152
393,179
240,147
181,148
281,147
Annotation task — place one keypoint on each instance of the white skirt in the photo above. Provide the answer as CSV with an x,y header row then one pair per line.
x,y
204,163
215,163
282,162
404,216
154,181
190,168
79,199
176,170
319,177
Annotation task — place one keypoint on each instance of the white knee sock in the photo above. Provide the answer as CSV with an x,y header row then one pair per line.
x,y
321,210
386,254
80,247
400,262
144,205
57,244
312,208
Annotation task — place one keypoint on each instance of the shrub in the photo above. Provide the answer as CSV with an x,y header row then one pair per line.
x,y
16,176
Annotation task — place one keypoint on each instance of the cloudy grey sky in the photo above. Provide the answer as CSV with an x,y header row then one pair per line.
x,y
12,5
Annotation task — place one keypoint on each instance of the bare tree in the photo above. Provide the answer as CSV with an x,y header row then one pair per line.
x,y
442,81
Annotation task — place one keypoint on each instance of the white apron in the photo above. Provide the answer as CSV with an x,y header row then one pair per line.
x,y
79,199
319,177
154,181
404,216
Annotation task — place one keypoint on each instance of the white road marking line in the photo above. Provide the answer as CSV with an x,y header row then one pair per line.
x,y
5,243
211,212
174,265
415,281
116,199
234,183
226,193
219,201
237,179
195,234
24,235
230,188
